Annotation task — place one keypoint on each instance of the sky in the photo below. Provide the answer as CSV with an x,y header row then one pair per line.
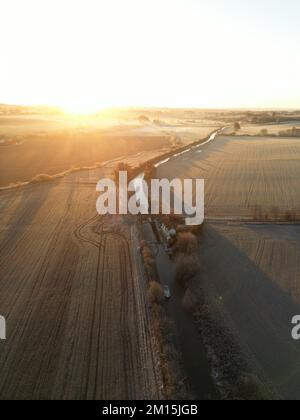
x,y
86,55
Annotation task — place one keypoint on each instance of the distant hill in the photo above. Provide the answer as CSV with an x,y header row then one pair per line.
x,y
7,109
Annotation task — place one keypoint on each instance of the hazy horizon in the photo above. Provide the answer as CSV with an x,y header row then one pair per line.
x,y
149,108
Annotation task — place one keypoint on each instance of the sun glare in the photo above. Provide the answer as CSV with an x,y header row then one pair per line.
x,y
81,108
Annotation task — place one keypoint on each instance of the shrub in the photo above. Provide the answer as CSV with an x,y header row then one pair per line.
x,y
264,132
187,267
155,293
186,243
172,220
42,178
149,262
143,119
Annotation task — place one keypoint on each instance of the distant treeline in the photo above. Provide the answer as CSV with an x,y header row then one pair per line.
x,y
273,117
292,132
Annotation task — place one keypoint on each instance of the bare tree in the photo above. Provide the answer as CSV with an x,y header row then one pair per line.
x,y
237,126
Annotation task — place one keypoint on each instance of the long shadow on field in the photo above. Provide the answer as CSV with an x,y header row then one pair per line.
x,y
259,310
32,200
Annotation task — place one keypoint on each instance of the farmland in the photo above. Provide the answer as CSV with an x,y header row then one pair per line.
x,y
249,254
72,283
251,275
243,175
73,287
34,144
72,293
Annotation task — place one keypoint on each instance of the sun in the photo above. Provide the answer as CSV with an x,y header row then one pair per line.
x,y
82,107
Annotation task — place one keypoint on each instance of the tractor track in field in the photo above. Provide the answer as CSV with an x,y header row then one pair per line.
x,y
117,287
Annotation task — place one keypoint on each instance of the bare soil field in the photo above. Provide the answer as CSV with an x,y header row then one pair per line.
x,y
243,174
249,272
73,295
62,152
251,275
31,145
